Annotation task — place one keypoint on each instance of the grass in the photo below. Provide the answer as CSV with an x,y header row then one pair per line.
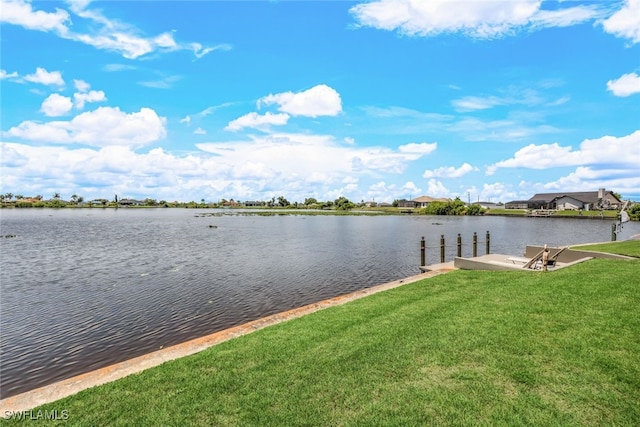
x,y
466,348
626,247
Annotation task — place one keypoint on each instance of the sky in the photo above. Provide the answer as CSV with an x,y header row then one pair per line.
x,y
486,100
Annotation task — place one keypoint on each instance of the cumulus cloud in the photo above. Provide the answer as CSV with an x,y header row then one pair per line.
x,y
305,155
297,165
320,100
21,13
45,77
56,105
478,19
79,99
449,172
435,188
102,127
625,23
81,85
200,131
104,33
626,85
623,152
257,121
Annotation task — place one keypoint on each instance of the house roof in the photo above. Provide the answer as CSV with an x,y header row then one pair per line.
x,y
583,196
429,199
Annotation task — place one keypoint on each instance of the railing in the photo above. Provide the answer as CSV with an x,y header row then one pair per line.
x,y
423,247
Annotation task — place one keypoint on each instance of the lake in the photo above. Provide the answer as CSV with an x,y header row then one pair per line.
x,y
85,288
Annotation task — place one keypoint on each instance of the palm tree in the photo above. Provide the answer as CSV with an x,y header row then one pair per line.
x,y
74,198
9,196
56,195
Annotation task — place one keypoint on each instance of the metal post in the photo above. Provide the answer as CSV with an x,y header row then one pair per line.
x,y
475,244
442,248
422,252
488,242
459,246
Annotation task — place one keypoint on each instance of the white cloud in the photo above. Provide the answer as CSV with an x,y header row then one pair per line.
x,y
45,77
21,13
449,172
186,119
623,152
320,100
411,188
200,131
472,103
5,75
435,188
626,85
163,83
478,19
81,85
80,99
625,23
257,121
564,17
421,148
56,105
104,33
304,155
102,127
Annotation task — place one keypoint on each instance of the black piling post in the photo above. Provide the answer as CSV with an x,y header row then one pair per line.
x,y
613,232
488,242
475,244
442,248
422,252
459,246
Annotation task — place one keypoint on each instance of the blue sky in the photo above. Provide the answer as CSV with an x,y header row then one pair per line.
x,y
380,100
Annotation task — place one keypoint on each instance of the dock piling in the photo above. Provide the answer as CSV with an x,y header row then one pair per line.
x,y
475,244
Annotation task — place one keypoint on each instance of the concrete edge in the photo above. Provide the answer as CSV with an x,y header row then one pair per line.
x,y
52,392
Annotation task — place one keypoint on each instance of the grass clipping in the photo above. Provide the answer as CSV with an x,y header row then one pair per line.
x,y
465,348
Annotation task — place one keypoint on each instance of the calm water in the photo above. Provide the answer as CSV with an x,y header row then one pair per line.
x,y
83,289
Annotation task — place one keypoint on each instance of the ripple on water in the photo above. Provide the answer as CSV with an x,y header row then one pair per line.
x,y
83,290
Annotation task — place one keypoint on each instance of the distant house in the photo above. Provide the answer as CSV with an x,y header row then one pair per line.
x,y
586,200
130,202
253,203
404,203
486,205
424,201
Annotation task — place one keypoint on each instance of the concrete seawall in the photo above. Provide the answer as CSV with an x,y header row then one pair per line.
x,y
50,393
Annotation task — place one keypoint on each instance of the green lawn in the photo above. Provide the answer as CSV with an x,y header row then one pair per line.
x,y
466,348
625,247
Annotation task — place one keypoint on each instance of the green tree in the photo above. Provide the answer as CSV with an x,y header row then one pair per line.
x,y
310,201
283,202
475,210
634,212
56,196
343,204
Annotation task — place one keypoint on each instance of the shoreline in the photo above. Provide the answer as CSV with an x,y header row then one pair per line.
x,y
61,389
